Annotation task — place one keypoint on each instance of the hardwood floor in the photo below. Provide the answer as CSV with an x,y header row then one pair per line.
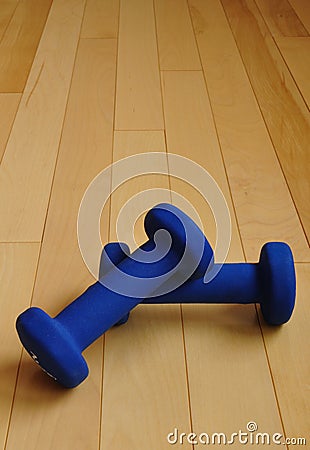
x,y
86,83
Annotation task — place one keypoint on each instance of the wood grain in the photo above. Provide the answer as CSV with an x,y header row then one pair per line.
x,y
303,11
56,418
145,381
281,18
262,200
284,111
19,43
6,12
289,358
145,356
176,41
8,107
224,349
228,370
85,150
100,19
244,118
138,97
29,161
45,413
127,144
18,268
191,133
296,52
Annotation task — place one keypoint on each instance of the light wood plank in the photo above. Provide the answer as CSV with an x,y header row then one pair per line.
x,y
145,393
138,97
176,40
18,264
145,385
283,108
191,133
57,418
8,107
226,358
85,150
126,144
296,52
237,118
100,19
29,161
19,43
264,208
289,356
224,347
144,368
45,413
302,9
281,18
6,12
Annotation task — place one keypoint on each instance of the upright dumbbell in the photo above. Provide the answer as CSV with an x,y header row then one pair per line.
x,y
56,344
270,282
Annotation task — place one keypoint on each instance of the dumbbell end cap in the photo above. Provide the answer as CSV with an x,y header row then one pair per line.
x,y
52,347
278,280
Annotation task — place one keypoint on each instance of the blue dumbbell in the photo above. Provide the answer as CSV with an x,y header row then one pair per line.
x,y
56,344
270,282
112,254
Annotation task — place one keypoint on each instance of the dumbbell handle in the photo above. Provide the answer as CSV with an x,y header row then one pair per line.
x,y
234,283
99,308
95,305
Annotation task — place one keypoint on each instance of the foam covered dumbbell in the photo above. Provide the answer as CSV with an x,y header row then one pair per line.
x,y
175,244
270,282
112,254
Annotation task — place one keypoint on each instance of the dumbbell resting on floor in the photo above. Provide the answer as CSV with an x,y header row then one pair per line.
x,y
270,282
56,344
175,245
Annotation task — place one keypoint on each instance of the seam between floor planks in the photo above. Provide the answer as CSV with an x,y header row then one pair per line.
x,y
264,119
271,372
109,221
113,147
274,38
40,243
190,411
25,226
217,134
291,71
21,245
278,158
7,131
61,134
161,71
275,56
